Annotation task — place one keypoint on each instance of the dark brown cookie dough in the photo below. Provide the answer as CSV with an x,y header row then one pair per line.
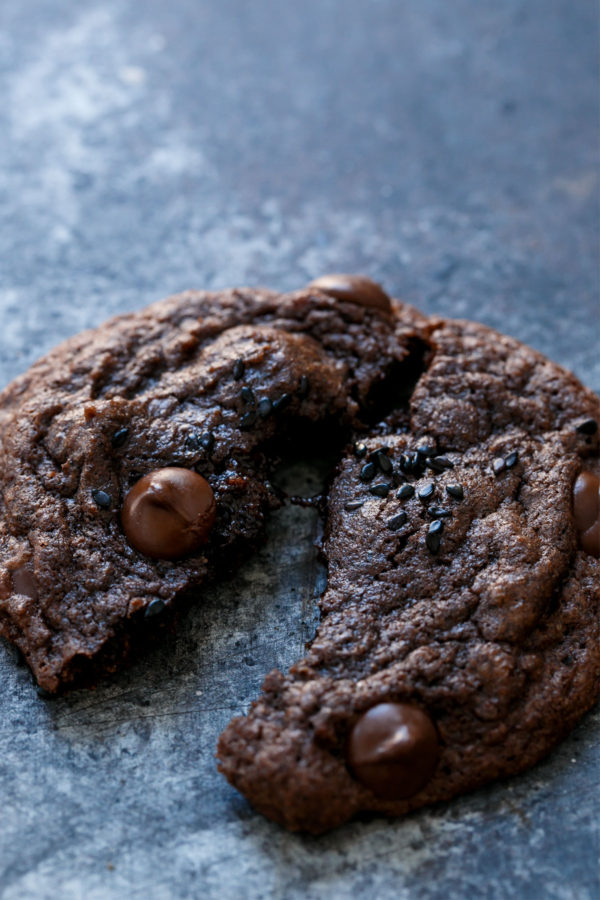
x,y
459,632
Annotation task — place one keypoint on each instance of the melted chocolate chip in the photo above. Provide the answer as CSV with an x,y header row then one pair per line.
x,y
393,750
355,289
119,438
586,512
101,499
169,513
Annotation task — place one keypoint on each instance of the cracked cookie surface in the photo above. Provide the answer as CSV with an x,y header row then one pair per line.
x,y
460,620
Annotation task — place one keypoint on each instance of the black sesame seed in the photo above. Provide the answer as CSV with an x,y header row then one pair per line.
x,y
439,463
154,608
397,521
512,459
119,437
367,473
380,490
304,386
406,492
239,368
360,450
438,512
498,466
265,407
207,440
282,402
384,462
192,441
455,490
248,420
101,499
590,426
353,504
427,491
426,450
247,394
433,538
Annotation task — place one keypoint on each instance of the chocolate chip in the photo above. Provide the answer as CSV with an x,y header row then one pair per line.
x,y
264,408
512,459
283,402
247,394
455,490
248,420
239,368
380,490
586,512
360,450
119,438
154,608
304,386
397,521
393,750
354,288
433,538
353,504
405,492
438,512
169,513
367,473
427,491
439,463
590,426
101,499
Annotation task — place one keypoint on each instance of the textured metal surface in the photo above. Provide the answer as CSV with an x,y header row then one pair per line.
x,y
448,149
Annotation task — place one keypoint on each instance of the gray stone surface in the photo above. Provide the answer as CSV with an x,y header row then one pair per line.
x,y
448,149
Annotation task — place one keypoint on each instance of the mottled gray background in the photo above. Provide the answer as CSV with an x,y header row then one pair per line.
x,y
449,149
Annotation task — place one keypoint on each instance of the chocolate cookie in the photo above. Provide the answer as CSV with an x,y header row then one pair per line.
x,y
459,632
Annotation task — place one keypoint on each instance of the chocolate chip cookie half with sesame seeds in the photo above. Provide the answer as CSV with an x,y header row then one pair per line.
x,y
458,639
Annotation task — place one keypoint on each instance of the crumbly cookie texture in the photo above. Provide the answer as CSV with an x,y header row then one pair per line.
x,y
459,629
